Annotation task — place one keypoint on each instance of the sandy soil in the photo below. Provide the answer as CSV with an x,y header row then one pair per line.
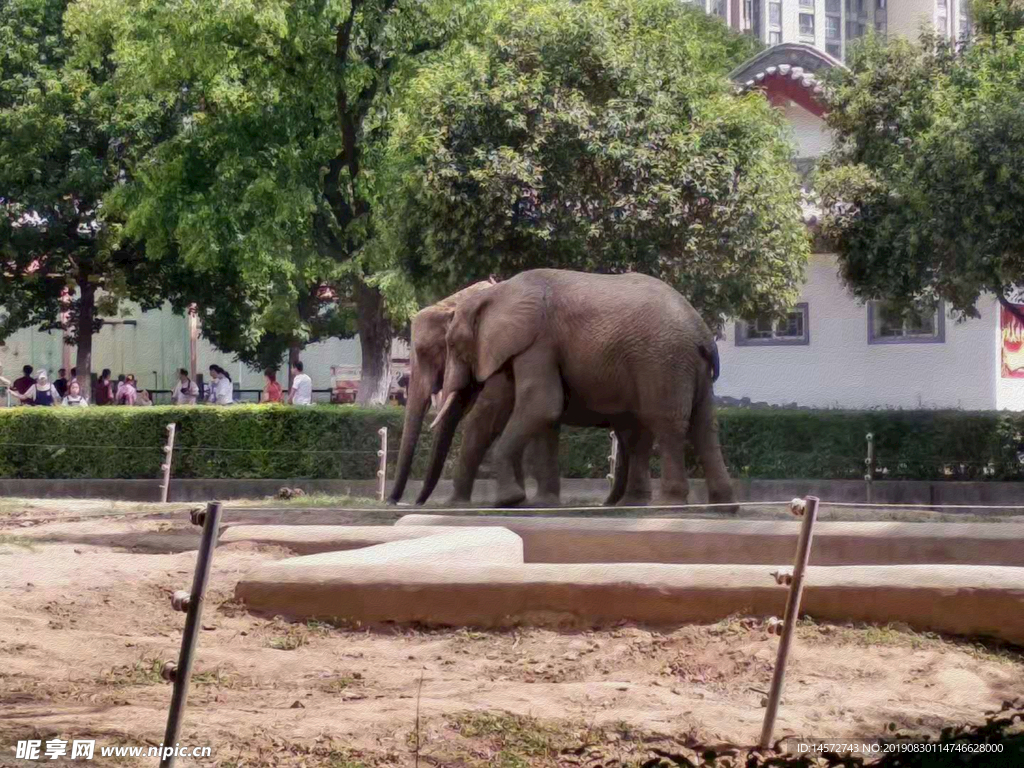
x,y
86,623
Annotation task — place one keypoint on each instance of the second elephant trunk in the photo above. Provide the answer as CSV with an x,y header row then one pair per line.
x,y
443,437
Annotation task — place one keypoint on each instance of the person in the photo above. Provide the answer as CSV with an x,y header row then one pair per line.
x,y
127,391
103,394
144,398
40,393
272,390
5,383
403,393
74,396
302,386
22,385
61,383
185,391
221,389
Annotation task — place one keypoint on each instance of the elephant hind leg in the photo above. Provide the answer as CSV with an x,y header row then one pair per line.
x,y
704,436
671,436
638,484
543,452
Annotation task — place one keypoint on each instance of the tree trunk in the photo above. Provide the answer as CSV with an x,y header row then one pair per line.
x,y
83,336
375,337
294,348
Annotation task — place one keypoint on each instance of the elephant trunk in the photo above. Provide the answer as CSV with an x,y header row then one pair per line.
x,y
448,420
415,410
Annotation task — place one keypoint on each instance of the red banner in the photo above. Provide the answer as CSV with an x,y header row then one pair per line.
x,y
1012,355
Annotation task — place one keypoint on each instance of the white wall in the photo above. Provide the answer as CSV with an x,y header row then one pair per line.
x,y
158,345
810,134
840,369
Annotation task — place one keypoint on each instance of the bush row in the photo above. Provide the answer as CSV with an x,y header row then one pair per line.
x,y
342,442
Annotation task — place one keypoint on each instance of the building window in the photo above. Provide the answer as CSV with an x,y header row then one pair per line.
x,y
881,28
833,6
834,49
832,27
793,330
887,325
807,24
807,4
774,38
775,14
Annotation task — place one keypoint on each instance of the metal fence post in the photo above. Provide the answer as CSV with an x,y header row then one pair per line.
x,y
869,466
165,487
192,604
382,471
808,509
613,457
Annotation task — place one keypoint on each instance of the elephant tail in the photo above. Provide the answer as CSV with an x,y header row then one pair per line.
x,y
710,353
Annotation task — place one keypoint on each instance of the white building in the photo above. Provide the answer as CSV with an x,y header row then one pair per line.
x,y
836,352
831,25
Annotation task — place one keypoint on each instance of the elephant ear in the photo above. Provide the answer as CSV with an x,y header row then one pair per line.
x,y
490,328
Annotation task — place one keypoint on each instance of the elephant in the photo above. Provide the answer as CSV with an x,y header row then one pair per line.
x,y
627,348
489,405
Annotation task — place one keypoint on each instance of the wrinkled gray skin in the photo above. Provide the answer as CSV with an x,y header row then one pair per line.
x,y
487,407
619,346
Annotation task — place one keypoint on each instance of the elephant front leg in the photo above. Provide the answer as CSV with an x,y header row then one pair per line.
x,y
538,407
491,412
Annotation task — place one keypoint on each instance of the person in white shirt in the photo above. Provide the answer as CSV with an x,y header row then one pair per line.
x,y
221,389
74,396
185,390
302,386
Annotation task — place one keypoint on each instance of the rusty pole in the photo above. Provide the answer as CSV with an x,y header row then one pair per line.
x,y
808,509
165,487
382,470
193,606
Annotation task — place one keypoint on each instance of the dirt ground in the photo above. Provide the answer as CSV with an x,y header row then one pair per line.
x,y
86,623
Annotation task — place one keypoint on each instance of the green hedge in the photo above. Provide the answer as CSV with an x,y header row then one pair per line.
x,y
342,442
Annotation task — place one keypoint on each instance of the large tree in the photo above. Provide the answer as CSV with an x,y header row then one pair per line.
x,y
63,146
597,135
263,193
924,186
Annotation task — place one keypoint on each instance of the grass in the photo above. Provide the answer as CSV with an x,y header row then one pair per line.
x,y
899,635
290,637
145,671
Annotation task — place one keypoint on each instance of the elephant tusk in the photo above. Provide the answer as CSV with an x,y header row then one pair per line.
x,y
443,411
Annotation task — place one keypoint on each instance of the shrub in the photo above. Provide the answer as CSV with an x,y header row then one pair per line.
x,y
270,441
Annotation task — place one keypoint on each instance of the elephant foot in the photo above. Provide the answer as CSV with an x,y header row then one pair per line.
x,y
724,498
510,498
546,500
457,500
634,501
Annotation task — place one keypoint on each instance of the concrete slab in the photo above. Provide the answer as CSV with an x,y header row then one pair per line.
x,y
311,539
607,540
964,600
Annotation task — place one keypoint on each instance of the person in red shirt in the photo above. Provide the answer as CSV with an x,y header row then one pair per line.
x,y
26,382
272,391
103,394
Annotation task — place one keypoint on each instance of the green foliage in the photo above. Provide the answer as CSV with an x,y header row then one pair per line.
x,y
342,442
596,135
922,186
257,206
64,144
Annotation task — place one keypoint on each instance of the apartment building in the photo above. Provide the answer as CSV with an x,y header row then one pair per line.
x,y
831,25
